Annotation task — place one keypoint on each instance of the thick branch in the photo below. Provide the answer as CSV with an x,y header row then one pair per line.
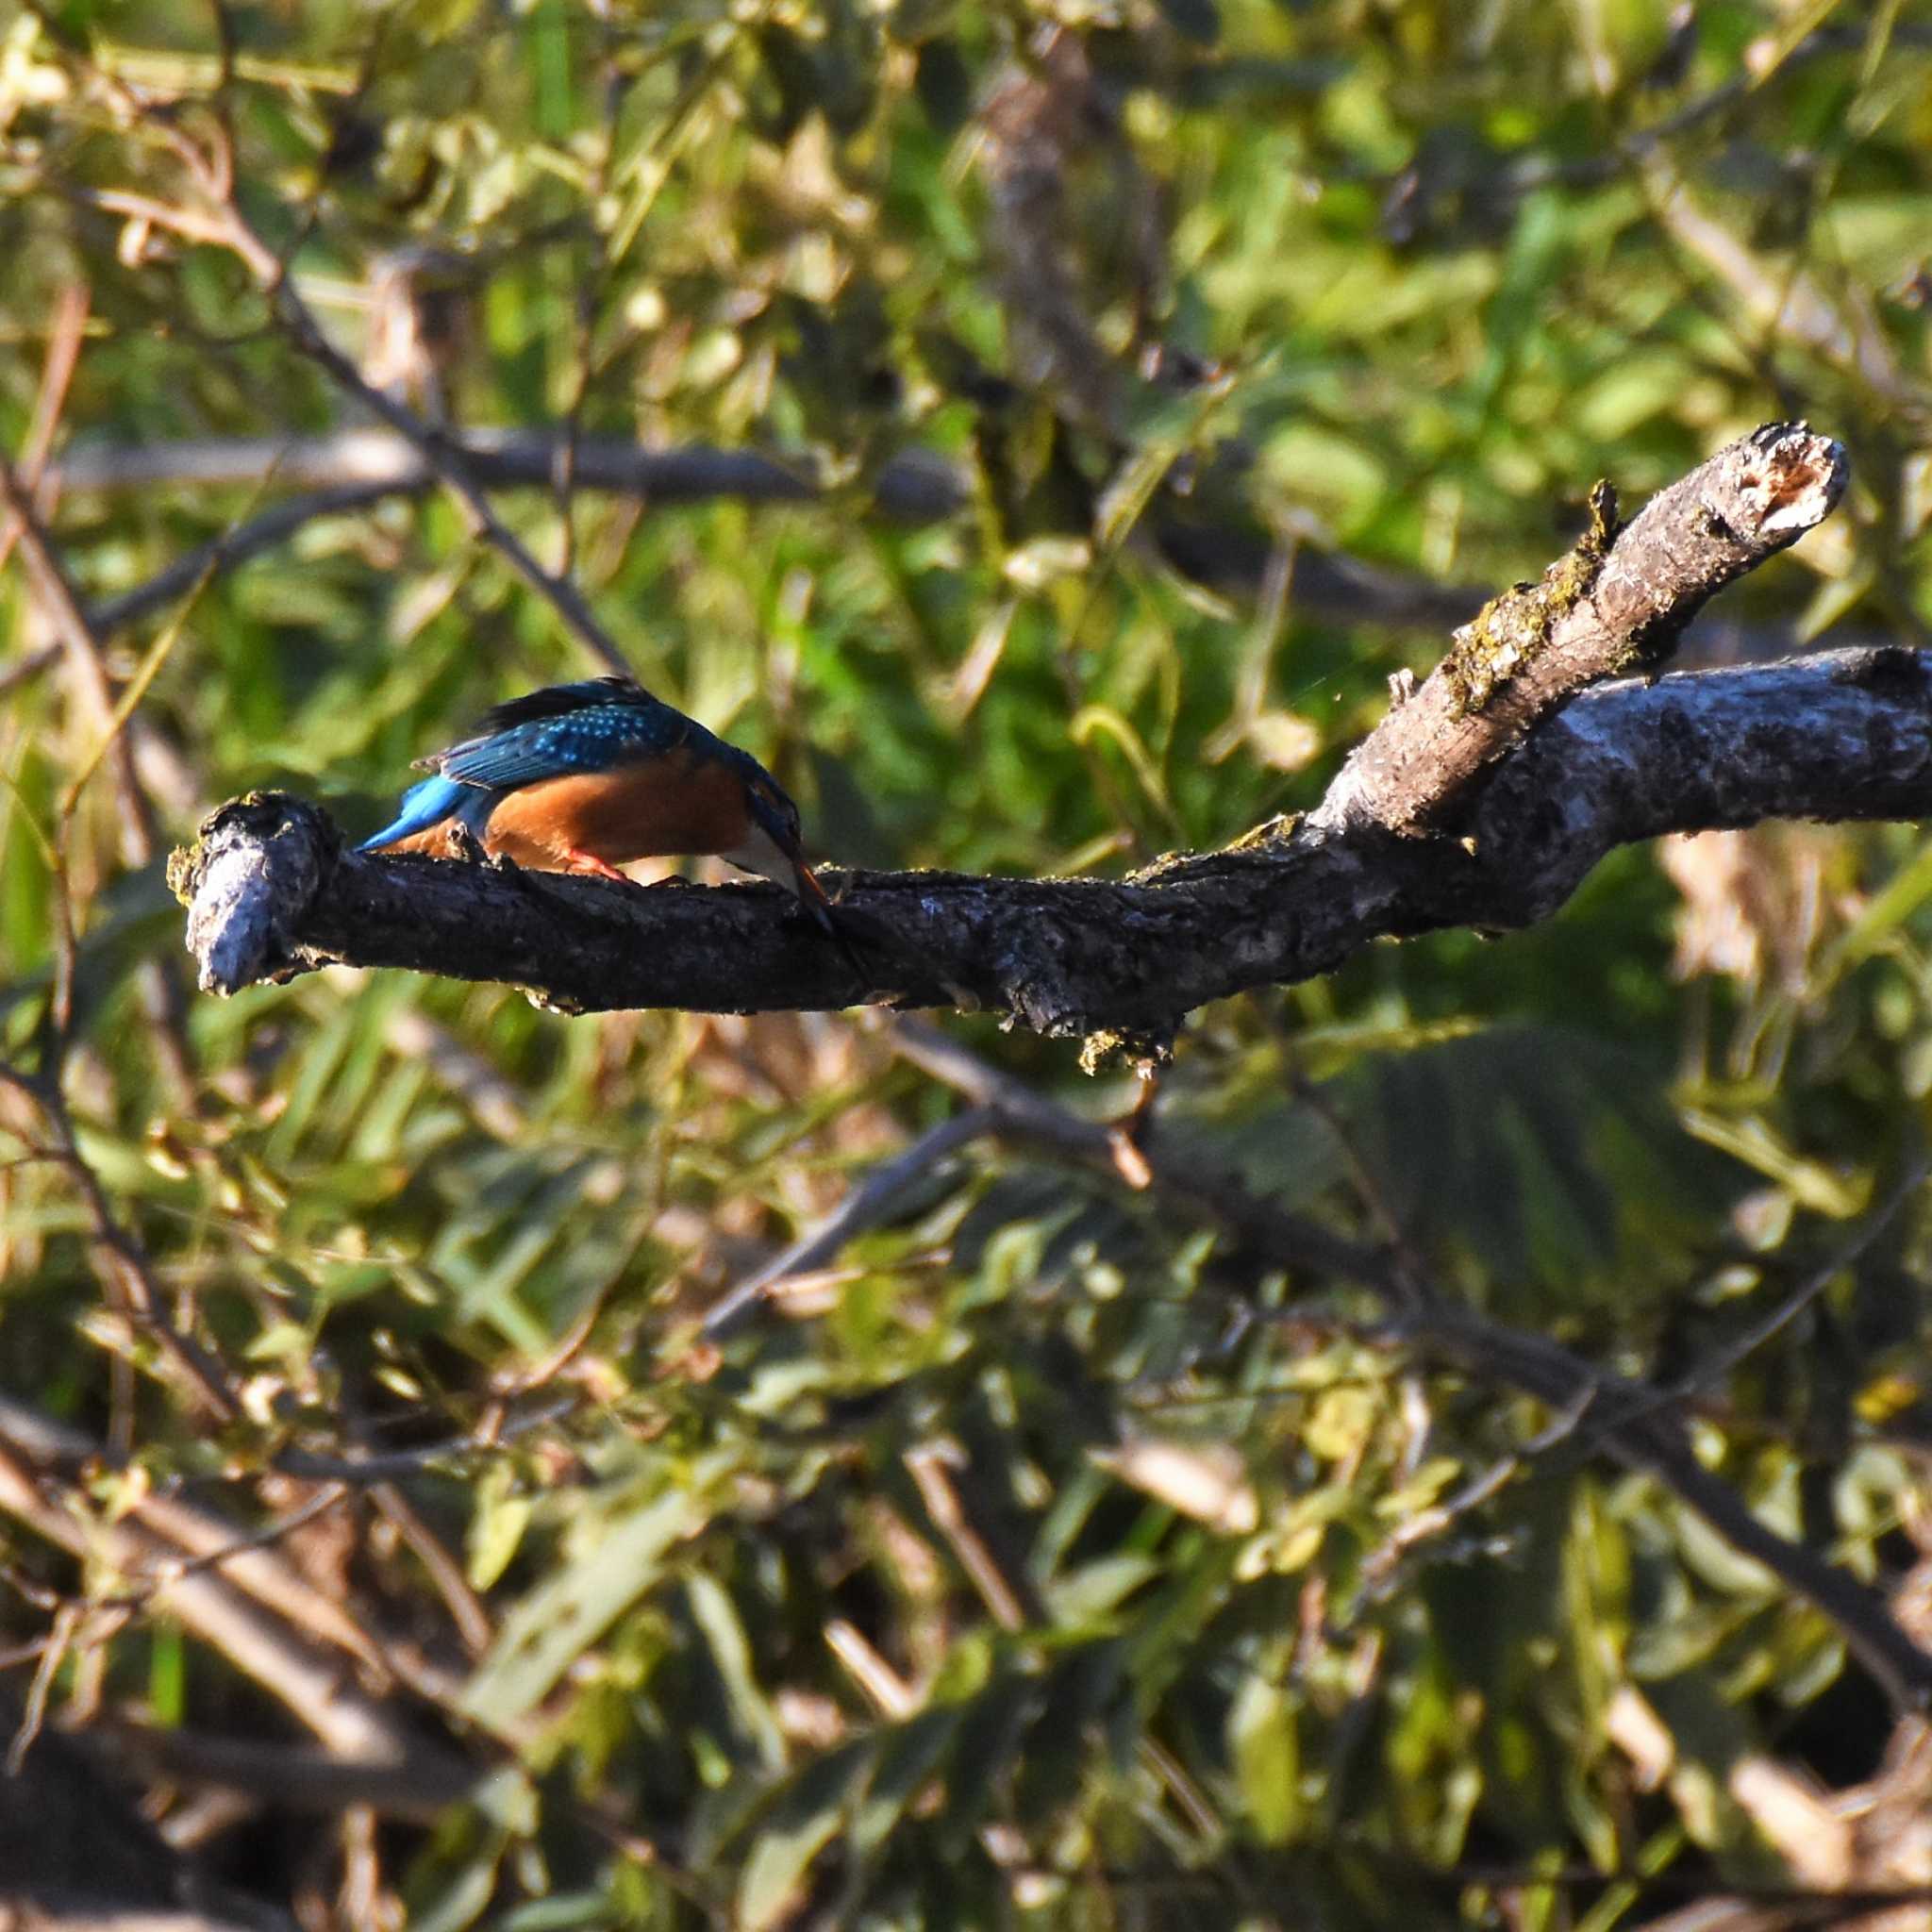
x,y
1842,735
1617,603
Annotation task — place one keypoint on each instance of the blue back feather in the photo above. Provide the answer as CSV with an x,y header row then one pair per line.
x,y
595,739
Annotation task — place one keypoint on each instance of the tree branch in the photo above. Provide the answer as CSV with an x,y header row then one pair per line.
x,y
1843,735
1635,1423
354,468
1617,603
1848,734
289,1666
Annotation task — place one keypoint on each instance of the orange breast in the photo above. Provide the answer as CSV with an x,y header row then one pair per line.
x,y
665,808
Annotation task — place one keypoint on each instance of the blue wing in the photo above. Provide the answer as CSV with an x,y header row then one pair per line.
x,y
593,739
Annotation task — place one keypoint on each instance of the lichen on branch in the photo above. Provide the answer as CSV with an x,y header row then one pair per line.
x,y
1510,632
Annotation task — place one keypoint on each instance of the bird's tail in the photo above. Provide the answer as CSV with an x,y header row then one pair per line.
x,y
425,805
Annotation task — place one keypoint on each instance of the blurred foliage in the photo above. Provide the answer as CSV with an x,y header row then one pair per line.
x,y
1037,1569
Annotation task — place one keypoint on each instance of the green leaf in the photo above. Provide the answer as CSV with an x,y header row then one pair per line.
x,y
717,1616
559,1621
1262,1734
796,1828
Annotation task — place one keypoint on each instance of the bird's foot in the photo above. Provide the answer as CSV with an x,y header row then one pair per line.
x,y
590,863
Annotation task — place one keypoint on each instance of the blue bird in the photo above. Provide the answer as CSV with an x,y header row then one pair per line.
x,y
586,777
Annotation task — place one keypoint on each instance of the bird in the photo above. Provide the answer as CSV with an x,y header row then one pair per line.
x,y
585,778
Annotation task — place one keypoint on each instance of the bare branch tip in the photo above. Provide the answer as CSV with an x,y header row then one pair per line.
x,y
1790,477
248,883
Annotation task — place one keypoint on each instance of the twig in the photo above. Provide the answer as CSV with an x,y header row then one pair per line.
x,y
1383,1566
291,1776
443,456
1723,1361
85,660
233,546
354,469
865,1206
64,339
224,222
184,1541
161,988
941,1472
1633,1429
67,1621
1632,1422
465,1607
304,1678
126,1272
23,669
388,1465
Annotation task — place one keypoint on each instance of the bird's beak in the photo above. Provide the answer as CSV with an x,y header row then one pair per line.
x,y
813,894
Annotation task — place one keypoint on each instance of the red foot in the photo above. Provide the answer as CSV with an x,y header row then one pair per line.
x,y
588,861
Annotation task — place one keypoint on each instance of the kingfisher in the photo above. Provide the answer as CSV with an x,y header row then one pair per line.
x,y
585,778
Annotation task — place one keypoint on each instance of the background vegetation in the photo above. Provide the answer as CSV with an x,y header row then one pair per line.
x,y
1050,1557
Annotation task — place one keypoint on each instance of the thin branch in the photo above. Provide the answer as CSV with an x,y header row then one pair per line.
x,y
466,1614
58,599
289,1776
443,456
183,1540
1635,1427
865,1206
354,468
82,645
56,375
23,669
304,1678
916,485
1632,1422
1384,1566
234,546
944,1477
388,1465
127,1274
1723,1361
